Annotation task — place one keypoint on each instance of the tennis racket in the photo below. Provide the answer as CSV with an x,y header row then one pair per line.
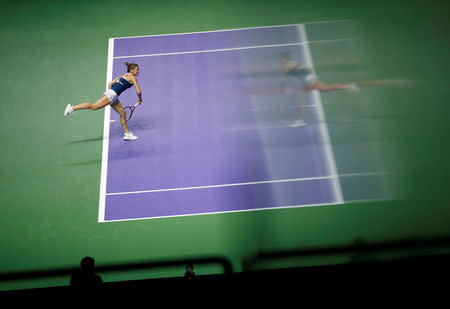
x,y
129,110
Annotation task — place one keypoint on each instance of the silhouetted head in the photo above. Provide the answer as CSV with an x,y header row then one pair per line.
x,y
87,264
189,274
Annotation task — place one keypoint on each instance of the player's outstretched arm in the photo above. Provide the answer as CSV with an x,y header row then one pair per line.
x,y
138,89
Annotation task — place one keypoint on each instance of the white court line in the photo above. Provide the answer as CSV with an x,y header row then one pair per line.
x,y
232,48
225,212
248,210
265,208
106,122
222,185
322,126
245,183
235,29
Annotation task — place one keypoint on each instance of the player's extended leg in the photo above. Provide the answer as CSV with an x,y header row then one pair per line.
x,y
123,116
300,122
318,85
102,102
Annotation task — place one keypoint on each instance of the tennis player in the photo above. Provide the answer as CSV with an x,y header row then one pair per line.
x,y
309,81
111,96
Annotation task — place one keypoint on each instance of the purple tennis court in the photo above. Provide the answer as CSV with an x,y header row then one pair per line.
x,y
210,141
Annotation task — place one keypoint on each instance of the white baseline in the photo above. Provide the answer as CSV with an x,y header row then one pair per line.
x,y
235,29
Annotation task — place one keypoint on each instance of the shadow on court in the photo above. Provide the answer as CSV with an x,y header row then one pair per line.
x,y
86,140
70,149
84,162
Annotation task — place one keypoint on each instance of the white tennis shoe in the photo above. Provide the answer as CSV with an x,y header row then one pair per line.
x,y
68,110
129,136
353,88
298,124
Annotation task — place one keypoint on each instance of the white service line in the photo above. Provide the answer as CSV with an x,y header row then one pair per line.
x,y
223,185
248,183
231,49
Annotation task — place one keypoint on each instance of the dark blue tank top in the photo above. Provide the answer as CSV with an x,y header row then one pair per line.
x,y
121,85
299,72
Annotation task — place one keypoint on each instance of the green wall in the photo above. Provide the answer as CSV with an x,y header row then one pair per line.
x,y
50,166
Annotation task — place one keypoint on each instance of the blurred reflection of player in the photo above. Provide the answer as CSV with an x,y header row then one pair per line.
x,y
309,81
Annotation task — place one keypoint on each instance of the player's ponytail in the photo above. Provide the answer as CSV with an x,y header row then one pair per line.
x,y
130,66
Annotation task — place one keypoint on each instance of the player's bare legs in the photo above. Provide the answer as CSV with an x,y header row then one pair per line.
x,y
300,122
123,116
318,85
102,102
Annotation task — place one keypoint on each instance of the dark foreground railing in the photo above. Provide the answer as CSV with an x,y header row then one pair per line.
x,y
423,247
61,272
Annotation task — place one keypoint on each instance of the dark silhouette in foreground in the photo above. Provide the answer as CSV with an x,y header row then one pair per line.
x,y
189,274
85,277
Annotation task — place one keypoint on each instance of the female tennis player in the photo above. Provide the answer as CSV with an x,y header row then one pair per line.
x,y
309,81
111,96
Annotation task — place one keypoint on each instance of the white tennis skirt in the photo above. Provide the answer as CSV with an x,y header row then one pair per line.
x,y
112,96
310,80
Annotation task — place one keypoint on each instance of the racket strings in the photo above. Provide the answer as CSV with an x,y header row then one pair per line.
x,y
129,110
